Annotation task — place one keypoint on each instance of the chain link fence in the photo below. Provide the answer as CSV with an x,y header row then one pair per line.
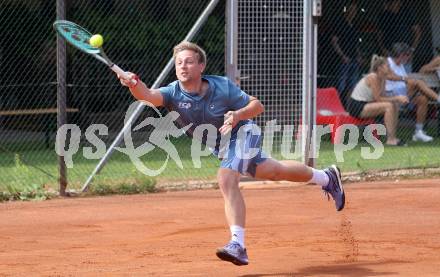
x,y
139,36
350,33
270,57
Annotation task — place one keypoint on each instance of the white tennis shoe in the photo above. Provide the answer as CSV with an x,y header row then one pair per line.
x,y
420,135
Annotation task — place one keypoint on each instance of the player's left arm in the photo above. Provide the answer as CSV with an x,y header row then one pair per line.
x,y
251,110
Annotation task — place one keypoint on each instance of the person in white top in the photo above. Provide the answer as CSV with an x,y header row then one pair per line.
x,y
416,90
368,99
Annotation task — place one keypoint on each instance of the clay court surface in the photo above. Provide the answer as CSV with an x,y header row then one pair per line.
x,y
388,228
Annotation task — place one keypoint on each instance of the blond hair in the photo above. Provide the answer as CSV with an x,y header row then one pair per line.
x,y
376,62
186,45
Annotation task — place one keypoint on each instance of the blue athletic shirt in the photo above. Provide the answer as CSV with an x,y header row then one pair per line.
x,y
222,96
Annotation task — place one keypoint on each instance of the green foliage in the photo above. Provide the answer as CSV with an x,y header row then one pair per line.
x,y
20,167
137,186
101,189
25,192
33,192
4,196
18,190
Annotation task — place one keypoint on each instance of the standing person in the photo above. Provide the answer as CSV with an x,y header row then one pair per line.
x,y
204,99
398,25
345,42
416,90
368,99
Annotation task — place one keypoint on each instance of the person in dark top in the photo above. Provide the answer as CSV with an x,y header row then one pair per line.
x,y
395,25
346,42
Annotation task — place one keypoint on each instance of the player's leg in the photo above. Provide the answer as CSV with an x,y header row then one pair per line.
x,y
228,177
293,171
235,211
329,179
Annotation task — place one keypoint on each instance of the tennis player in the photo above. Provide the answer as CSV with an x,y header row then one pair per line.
x,y
205,99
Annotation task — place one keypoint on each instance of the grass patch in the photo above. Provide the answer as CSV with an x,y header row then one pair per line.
x,y
34,192
18,189
137,186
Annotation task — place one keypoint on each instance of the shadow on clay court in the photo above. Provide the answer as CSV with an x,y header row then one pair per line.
x,y
355,269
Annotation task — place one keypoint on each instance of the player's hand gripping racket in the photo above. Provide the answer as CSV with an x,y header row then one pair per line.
x,y
79,37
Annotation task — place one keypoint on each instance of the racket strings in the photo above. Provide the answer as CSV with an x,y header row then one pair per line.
x,y
76,35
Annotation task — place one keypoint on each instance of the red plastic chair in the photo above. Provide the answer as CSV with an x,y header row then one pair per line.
x,y
330,111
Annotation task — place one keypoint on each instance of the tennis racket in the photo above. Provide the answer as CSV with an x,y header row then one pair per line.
x,y
79,38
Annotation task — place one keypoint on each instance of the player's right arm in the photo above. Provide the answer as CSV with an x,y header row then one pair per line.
x,y
141,92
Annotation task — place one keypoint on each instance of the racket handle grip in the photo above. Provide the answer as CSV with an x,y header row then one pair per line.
x,y
123,74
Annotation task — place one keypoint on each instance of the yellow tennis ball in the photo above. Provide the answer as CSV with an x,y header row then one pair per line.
x,y
96,41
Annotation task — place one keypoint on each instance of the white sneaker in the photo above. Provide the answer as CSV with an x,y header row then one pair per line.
x,y
421,136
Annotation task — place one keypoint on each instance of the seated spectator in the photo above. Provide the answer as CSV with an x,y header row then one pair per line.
x,y
368,99
416,90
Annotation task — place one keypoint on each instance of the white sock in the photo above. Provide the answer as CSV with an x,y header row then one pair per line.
x,y
237,234
419,126
319,177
